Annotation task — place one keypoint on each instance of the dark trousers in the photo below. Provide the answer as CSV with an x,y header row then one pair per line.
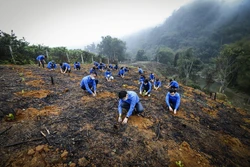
x,y
138,107
68,70
146,88
41,62
172,105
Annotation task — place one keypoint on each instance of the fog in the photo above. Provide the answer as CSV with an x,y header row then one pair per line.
x,y
77,23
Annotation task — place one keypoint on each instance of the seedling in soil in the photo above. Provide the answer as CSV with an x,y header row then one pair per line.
x,y
10,117
23,79
20,74
179,164
22,91
144,93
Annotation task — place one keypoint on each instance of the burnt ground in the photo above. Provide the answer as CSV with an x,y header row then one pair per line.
x,y
82,130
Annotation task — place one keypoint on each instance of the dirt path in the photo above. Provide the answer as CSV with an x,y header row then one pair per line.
x,y
83,130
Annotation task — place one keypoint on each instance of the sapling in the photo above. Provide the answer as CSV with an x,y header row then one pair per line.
x,y
179,164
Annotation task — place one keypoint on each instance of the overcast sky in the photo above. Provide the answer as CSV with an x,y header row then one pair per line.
x,y
76,23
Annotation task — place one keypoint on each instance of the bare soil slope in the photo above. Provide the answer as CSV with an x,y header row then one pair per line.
x,y
61,125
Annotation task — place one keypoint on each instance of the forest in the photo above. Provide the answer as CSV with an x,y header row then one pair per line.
x,y
207,38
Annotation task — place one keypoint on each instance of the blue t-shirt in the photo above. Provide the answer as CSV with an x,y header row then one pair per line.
x,y
149,85
121,72
40,57
174,84
86,81
51,65
77,65
64,65
133,98
175,100
157,83
107,74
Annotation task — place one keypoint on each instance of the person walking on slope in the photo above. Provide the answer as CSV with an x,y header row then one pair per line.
x,y
146,86
77,66
108,75
173,100
51,65
130,101
65,67
173,84
89,83
157,84
41,60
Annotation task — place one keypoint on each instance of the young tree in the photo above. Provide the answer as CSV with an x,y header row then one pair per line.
x,y
113,48
226,65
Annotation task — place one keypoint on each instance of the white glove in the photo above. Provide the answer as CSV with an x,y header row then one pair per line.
x,y
120,119
125,120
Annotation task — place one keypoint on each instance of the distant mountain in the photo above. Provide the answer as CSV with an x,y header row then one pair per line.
x,y
203,25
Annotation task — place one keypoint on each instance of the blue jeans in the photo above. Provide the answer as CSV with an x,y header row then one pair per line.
x,y
138,107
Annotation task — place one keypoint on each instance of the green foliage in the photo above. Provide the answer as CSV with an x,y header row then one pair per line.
x,y
179,164
10,117
140,56
113,48
23,53
165,55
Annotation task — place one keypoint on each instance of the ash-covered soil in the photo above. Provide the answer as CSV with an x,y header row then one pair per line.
x,y
61,125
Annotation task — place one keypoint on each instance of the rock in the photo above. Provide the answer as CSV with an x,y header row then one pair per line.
x,y
31,152
83,161
39,148
64,154
72,165
221,96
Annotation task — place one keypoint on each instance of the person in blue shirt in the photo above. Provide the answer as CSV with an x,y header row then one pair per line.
x,y
173,84
77,66
146,86
65,67
121,72
108,75
89,83
157,84
41,60
116,67
100,67
140,70
93,69
111,66
51,65
173,100
152,77
96,64
141,79
126,69
130,101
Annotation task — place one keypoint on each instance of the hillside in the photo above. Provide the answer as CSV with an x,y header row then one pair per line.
x,y
82,130
202,25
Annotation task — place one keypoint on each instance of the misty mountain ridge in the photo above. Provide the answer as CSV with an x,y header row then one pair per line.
x,y
202,25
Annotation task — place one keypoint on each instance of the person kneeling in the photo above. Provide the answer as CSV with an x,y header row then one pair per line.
x,y
173,100
146,86
130,101
89,83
